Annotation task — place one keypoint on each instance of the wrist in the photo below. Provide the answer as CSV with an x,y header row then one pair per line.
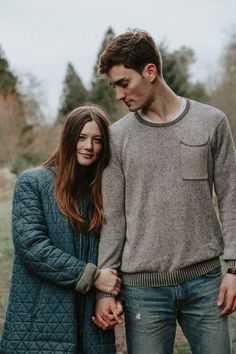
x,y
231,271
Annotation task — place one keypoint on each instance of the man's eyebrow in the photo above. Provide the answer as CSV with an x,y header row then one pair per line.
x,y
118,82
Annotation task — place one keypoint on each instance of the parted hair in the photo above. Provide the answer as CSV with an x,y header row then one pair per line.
x,y
134,49
69,188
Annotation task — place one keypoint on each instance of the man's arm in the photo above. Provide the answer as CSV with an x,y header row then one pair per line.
x,y
112,237
113,231
225,187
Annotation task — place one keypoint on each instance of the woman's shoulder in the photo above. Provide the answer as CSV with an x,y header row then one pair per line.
x,y
37,176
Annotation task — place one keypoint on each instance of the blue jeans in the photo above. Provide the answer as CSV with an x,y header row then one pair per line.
x,y
151,315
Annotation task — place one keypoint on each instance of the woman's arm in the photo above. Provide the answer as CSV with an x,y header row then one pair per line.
x,y
34,247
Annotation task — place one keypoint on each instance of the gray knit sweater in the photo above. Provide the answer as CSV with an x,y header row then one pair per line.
x,y
161,226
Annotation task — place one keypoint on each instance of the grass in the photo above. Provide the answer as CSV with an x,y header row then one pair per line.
x,y
6,253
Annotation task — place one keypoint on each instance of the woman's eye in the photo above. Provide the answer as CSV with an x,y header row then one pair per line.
x,y
98,141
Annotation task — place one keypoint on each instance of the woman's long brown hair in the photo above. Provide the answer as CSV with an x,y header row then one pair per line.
x,y
68,186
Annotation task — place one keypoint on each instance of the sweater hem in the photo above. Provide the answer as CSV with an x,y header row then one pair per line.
x,y
152,279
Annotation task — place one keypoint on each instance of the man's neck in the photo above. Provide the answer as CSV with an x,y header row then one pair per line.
x,y
165,107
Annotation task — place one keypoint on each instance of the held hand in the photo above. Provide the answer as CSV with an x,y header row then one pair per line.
x,y
227,295
108,313
108,281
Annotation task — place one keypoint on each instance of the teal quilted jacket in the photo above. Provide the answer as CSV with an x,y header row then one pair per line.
x,y
46,315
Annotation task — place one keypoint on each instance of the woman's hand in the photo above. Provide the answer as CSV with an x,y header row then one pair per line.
x,y
108,281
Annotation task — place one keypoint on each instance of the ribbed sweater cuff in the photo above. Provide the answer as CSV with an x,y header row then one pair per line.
x,y
231,263
101,294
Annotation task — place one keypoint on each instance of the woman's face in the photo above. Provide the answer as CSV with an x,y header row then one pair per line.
x,y
90,144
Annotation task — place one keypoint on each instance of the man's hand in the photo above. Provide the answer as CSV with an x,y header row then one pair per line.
x,y
227,295
108,313
108,281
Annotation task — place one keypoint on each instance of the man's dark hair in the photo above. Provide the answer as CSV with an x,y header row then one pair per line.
x,y
134,49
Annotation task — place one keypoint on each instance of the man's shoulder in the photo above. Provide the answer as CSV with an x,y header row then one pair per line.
x,y
123,123
121,129
206,112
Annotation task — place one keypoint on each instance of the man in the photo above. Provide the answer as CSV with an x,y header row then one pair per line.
x,y
161,229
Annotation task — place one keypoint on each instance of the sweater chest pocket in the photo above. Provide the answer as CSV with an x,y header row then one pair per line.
x,y
194,161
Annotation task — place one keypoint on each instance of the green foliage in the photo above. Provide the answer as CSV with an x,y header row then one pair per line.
x,y
8,80
27,128
109,35
25,161
223,95
198,92
181,347
6,254
176,71
101,93
74,93
32,98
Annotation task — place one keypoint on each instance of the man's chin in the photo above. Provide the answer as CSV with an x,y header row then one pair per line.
x,y
132,109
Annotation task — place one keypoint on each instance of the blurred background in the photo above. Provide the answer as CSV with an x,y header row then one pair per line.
x,y
49,52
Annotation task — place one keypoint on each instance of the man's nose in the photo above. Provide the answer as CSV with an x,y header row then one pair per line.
x,y
119,94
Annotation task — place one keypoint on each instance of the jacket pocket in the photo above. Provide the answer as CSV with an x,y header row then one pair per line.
x,y
194,161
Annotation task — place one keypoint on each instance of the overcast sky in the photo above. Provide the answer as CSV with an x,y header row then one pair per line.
x,y
41,37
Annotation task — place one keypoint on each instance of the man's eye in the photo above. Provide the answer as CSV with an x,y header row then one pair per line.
x,y
124,84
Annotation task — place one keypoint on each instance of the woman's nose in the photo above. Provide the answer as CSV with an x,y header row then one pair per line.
x,y
88,144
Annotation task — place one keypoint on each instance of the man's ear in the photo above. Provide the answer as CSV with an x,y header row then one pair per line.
x,y
150,72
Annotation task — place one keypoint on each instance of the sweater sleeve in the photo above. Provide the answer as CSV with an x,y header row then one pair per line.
x,y
113,231
225,187
35,248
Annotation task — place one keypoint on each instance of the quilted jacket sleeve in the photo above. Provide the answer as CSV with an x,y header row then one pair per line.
x,y
35,248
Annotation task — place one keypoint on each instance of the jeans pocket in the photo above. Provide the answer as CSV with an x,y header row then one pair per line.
x,y
194,161
214,273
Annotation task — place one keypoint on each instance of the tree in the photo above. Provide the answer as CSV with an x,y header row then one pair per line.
x,y
11,112
74,93
176,71
31,95
20,114
11,124
101,93
8,81
224,93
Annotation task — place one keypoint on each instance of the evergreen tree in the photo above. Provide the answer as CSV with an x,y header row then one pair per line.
x,y
223,95
8,80
101,93
74,93
176,71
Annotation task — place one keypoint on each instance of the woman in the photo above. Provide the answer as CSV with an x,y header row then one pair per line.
x,y
57,216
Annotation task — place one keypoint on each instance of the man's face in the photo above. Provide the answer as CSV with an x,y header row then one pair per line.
x,y
134,89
